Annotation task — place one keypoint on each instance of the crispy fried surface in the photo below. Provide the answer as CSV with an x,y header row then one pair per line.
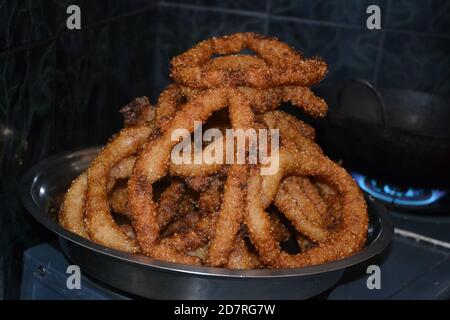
x,y
284,66
71,214
100,224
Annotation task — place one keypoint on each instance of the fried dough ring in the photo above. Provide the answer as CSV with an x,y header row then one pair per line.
x,y
311,191
194,170
283,65
182,224
139,112
122,170
332,201
233,202
295,205
152,164
171,203
71,214
349,239
291,127
212,227
118,201
210,200
99,222
289,131
241,257
168,104
279,230
72,211
263,100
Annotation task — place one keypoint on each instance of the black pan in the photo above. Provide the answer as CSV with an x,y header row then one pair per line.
x,y
398,136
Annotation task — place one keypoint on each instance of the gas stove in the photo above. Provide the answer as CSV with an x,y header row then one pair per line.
x,y
400,197
415,266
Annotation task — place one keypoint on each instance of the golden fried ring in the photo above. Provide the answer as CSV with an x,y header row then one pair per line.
x,y
279,230
99,222
291,129
118,201
284,66
241,257
332,201
311,191
152,165
71,213
296,206
170,203
209,200
194,170
233,201
263,100
349,239
122,170
168,104
182,224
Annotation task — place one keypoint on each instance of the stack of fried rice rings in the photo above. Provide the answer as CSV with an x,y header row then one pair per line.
x,y
133,197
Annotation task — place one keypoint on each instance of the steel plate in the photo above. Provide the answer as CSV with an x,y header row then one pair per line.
x,y
45,183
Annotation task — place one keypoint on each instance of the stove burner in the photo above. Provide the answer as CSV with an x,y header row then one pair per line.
x,y
395,195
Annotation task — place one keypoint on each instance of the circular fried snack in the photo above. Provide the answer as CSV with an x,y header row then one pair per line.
x,y
347,240
71,213
290,131
241,257
279,230
118,200
122,170
294,203
99,222
332,201
311,191
290,126
284,66
233,201
209,200
182,224
172,203
168,103
202,169
152,164
267,99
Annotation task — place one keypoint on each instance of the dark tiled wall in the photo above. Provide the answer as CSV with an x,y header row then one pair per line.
x,y
61,89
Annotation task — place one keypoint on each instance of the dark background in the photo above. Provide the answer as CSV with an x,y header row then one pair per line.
x,y
62,89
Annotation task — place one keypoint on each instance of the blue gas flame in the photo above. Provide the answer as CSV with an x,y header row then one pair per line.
x,y
404,197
